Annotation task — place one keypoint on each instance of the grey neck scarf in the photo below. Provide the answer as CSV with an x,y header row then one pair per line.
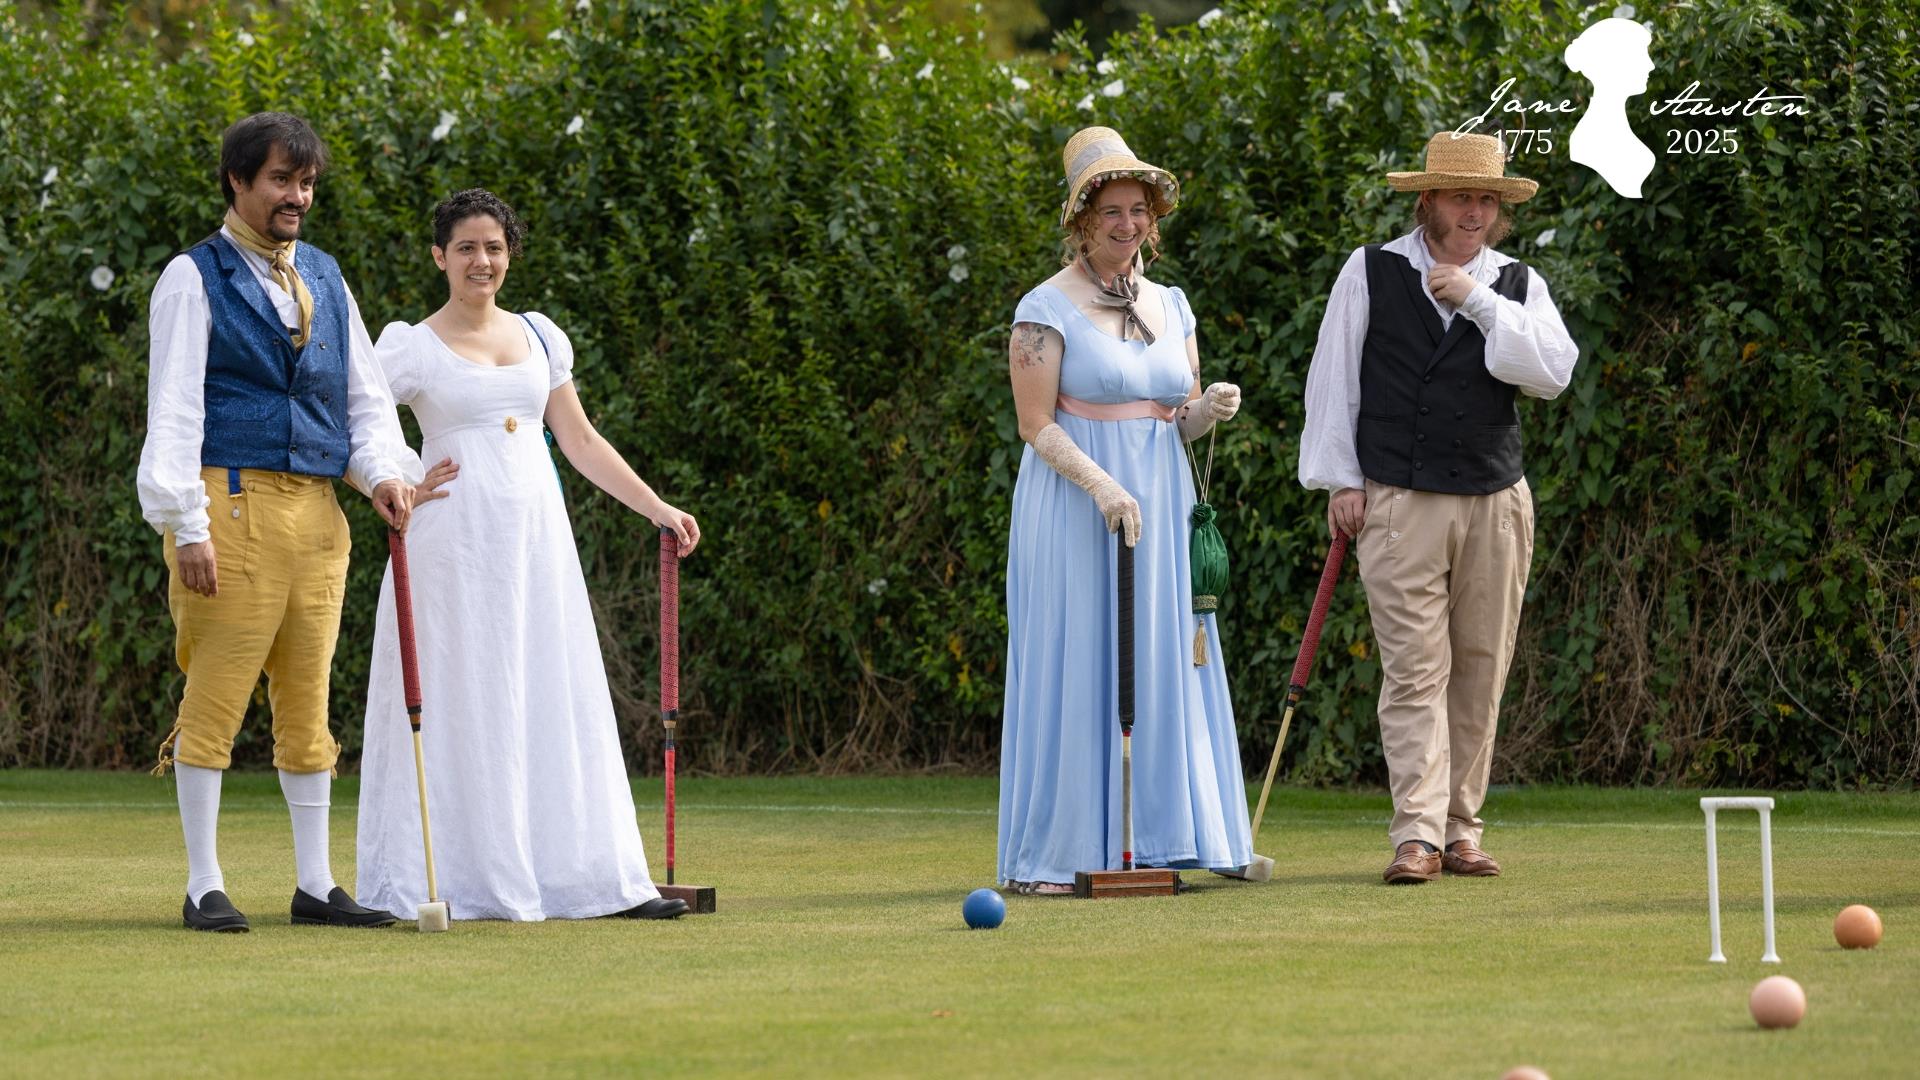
x,y
1121,294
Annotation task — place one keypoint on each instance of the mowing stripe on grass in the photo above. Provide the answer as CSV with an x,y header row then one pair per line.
x,y
961,811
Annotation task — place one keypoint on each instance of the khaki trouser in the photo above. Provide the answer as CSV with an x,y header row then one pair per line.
x,y
1445,575
280,553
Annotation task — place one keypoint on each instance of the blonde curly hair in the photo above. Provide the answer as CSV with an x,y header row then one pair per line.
x,y
1080,232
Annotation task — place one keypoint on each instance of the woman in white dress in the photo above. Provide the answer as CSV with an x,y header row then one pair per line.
x,y
532,815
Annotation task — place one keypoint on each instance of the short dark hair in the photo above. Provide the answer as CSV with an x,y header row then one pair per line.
x,y
247,145
477,202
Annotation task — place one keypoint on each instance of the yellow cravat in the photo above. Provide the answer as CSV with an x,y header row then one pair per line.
x,y
279,258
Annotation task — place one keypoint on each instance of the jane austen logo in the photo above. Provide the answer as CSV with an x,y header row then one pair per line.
x,y
1613,56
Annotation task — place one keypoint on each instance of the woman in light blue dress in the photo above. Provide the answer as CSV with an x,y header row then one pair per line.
x,y
1105,372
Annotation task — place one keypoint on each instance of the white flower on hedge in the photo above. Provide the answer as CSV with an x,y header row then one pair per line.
x,y
1545,238
574,125
460,17
1021,84
1624,11
556,34
1085,104
1114,88
1104,67
876,586
445,127
956,252
1211,17
697,236
885,54
925,72
101,278
1393,8
958,272
53,173
244,38
1336,99
583,6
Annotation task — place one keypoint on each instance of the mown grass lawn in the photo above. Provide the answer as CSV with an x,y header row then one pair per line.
x,y
839,948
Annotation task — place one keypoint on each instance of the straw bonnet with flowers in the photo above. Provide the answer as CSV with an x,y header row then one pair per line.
x,y
1104,365
1096,155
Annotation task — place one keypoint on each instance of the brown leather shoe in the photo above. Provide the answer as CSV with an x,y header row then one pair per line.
x,y
1412,864
1466,860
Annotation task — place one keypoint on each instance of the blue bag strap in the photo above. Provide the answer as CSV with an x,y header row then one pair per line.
x,y
537,335
544,430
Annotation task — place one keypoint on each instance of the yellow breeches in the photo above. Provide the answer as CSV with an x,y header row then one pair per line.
x,y
280,552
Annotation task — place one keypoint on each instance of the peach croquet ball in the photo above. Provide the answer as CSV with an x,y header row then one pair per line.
x,y
1857,927
1777,1002
1525,1072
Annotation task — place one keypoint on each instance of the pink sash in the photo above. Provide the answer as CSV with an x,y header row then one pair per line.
x,y
1127,410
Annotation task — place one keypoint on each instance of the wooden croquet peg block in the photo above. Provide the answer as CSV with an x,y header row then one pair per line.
x,y
1105,884
700,898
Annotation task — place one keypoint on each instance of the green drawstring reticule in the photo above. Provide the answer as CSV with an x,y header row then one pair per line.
x,y
1207,552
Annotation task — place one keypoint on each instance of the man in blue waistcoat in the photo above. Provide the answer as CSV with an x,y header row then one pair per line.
x,y
262,390
1411,428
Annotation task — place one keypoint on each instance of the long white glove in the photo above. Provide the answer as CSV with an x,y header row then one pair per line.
x,y
1122,512
1216,403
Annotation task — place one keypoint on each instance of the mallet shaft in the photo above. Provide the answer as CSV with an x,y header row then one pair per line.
x,y
426,830
669,667
410,678
1273,766
1303,665
1123,604
1126,802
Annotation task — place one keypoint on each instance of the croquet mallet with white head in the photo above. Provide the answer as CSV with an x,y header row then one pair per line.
x,y
434,914
1261,868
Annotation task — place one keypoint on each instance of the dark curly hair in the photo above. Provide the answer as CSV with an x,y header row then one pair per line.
x,y
477,202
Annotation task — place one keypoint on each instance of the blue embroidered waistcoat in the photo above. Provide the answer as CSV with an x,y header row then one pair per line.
x,y
268,404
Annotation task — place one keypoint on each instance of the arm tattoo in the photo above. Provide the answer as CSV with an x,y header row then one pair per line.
x,y
1029,344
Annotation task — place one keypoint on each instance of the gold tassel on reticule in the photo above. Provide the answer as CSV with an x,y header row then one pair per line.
x,y
1201,605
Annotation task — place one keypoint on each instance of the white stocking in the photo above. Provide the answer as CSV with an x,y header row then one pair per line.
x,y
199,792
308,797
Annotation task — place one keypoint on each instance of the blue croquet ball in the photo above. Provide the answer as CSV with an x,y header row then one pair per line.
x,y
983,909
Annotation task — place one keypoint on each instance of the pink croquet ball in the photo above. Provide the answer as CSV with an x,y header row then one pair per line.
x,y
1525,1072
1857,927
1777,1002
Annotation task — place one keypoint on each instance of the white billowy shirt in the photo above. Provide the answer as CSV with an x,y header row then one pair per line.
x,y
1527,346
172,495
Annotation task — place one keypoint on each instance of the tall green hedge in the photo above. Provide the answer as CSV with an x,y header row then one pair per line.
x,y
787,239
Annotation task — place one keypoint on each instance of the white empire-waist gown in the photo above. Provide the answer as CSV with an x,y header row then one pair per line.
x,y
532,815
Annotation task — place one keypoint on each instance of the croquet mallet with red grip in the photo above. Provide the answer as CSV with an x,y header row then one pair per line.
x,y
433,915
1303,667
700,898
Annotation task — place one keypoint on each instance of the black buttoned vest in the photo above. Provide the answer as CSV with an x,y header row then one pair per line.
x,y
1431,418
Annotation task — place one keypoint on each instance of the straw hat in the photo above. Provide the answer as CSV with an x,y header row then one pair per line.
x,y
1098,154
1465,161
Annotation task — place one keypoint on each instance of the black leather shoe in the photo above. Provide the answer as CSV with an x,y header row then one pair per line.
x,y
658,908
215,913
338,909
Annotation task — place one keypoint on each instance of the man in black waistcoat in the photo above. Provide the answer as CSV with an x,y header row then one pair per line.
x,y
1411,428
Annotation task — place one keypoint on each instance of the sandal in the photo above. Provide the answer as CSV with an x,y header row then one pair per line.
x,y
1039,888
